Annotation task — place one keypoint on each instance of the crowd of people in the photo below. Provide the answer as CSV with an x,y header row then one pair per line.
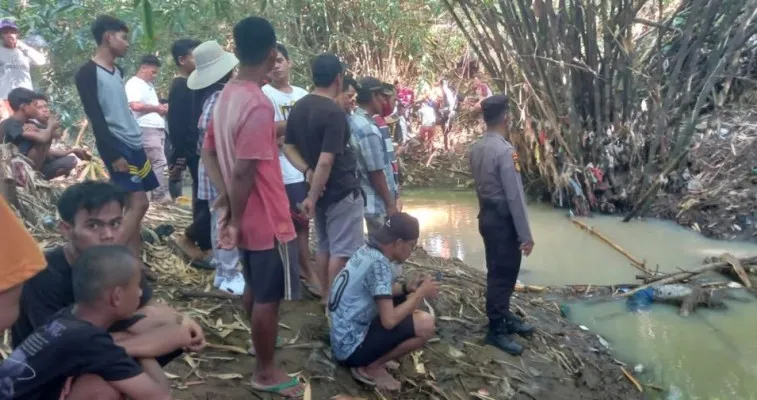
x,y
266,158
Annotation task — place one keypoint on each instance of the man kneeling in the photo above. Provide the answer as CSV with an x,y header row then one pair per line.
x,y
72,356
374,320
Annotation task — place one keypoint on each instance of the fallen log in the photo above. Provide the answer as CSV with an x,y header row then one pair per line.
x,y
681,276
638,264
738,268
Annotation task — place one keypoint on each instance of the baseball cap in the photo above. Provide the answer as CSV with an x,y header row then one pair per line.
x,y
494,106
399,226
7,23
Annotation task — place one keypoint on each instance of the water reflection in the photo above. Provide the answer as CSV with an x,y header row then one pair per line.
x,y
708,355
564,254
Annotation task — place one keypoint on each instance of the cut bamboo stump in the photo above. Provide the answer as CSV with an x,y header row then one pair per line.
x,y
638,264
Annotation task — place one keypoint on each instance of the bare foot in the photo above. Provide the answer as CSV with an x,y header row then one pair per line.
x,y
392,365
382,378
268,381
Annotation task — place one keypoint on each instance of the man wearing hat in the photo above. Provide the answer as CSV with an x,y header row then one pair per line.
x,y
215,67
502,222
16,57
373,155
375,320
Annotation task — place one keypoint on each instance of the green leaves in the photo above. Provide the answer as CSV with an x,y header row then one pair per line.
x,y
148,21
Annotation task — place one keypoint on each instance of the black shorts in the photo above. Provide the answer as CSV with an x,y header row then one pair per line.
x,y
272,275
380,341
125,324
53,164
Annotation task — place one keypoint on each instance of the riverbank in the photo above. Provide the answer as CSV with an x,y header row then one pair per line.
x,y
713,192
562,361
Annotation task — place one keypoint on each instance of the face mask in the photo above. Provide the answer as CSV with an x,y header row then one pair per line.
x,y
386,109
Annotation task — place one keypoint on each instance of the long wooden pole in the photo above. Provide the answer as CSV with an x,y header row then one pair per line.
x,y
638,264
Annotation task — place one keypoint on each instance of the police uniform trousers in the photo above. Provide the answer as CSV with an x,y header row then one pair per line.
x,y
503,257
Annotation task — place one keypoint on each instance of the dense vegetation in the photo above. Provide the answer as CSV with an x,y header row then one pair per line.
x,y
386,38
614,84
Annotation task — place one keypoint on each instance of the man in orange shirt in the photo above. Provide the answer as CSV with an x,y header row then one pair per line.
x,y
21,260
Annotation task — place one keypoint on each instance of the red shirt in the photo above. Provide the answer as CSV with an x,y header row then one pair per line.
x,y
242,128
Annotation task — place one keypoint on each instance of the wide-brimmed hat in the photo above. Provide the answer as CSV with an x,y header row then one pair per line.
x,y
213,63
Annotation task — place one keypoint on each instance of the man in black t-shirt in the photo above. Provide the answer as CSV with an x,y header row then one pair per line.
x,y
184,109
34,144
91,214
73,354
317,143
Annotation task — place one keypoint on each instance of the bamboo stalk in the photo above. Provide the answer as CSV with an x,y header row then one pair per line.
x,y
638,264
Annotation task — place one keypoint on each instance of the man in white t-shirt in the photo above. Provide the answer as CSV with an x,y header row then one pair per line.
x,y
149,113
16,58
283,96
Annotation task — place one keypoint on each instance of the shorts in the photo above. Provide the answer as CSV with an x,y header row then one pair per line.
x,y
51,165
272,275
140,177
297,192
340,226
380,341
125,324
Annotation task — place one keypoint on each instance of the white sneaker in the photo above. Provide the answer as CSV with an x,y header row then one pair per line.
x,y
233,285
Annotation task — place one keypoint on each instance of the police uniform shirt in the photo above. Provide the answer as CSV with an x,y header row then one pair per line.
x,y
496,172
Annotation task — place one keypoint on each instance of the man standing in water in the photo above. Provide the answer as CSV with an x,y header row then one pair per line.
x,y
502,222
117,135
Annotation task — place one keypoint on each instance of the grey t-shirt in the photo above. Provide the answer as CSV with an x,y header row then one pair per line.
x,y
368,275
15,67
104,99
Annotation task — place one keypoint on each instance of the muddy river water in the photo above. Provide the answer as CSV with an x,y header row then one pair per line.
x,y
708,355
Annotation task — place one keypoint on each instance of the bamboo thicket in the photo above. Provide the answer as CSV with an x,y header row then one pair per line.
x,y
608,88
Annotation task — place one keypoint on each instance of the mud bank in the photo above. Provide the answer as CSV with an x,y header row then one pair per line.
x,y
561,361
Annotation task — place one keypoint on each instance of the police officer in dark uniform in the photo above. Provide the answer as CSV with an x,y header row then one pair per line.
x,y
502,222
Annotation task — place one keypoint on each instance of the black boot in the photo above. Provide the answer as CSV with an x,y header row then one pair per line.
x,y
499,338
516,326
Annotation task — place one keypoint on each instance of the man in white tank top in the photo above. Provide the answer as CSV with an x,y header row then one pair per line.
x,y
283,96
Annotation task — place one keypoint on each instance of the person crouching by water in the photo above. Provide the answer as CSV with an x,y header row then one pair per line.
x,y
65,356
371,323
502,222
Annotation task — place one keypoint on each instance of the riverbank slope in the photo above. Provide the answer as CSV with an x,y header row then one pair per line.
x,y
562,361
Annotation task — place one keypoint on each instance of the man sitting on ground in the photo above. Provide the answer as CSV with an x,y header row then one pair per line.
x,y
33,143
371,322
66,356
91,214
59,161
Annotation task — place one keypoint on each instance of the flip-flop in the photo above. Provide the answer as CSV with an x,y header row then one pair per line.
x,y
278,389
279,342
362,378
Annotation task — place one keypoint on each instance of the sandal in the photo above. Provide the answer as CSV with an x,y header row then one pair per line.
x,y
278,389
362,378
